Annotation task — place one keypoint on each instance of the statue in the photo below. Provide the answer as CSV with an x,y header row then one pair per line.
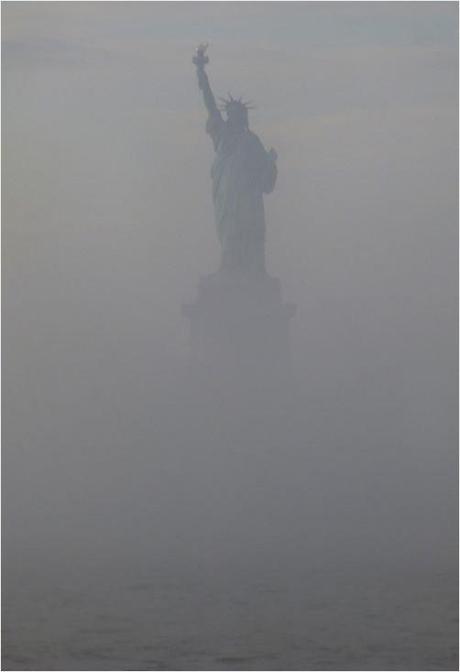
x,y
241,173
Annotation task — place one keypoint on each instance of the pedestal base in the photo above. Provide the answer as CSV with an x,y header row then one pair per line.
x,y
239,327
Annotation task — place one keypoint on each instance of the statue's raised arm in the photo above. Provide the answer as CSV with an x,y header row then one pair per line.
x,y
215,118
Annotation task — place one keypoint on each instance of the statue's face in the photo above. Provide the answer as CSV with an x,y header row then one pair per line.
x,y
237,116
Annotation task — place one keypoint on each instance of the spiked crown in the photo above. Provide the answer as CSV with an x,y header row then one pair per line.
x,y
236,106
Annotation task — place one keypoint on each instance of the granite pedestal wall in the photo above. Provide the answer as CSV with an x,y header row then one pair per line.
x,y
239,329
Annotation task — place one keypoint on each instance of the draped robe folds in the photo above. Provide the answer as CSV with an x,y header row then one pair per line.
x,y
241,173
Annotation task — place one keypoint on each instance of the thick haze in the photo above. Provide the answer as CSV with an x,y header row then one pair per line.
x,y
108,225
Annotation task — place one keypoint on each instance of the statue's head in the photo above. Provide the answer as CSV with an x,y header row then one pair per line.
x,y
237,112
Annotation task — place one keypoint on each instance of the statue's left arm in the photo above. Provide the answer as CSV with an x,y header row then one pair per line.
x,y
264,164
271,172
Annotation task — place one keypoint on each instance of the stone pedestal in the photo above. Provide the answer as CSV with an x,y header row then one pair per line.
x,y
239,328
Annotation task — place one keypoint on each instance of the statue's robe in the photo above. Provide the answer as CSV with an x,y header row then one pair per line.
x,y
241,173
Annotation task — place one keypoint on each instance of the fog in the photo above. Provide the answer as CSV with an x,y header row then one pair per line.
x,y
263,531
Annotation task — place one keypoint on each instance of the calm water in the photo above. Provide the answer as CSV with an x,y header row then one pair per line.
x,y
313,620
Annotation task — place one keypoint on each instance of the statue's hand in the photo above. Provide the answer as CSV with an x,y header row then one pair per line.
x,y
200,59
272,155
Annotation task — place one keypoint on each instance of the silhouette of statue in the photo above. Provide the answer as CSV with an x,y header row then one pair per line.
x,y
241,173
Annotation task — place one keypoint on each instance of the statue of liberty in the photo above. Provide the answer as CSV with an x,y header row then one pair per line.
x,y
241,173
